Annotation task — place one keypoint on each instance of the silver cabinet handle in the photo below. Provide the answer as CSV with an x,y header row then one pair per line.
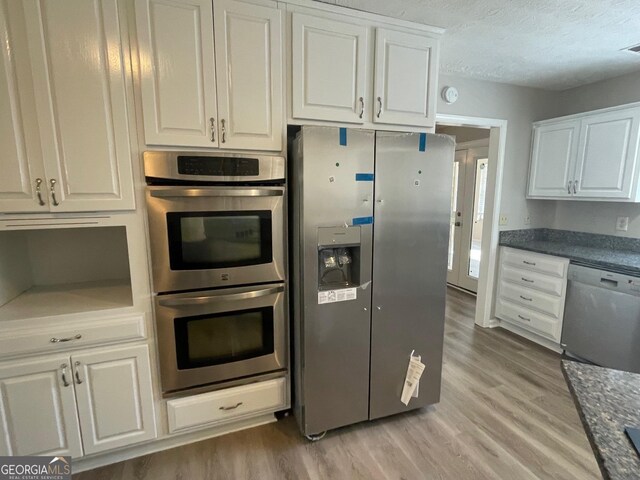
x,y
533,264
526,298
524,318
379,307
569,188
379,107
76,368
63,374
231,408
66,339
212,124
53,182
361,107
223,130
38,183
526,280
575,187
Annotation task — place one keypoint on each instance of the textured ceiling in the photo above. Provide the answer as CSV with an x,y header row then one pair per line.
x,y
553,44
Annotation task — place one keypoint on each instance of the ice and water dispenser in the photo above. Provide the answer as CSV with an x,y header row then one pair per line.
x,y
338,257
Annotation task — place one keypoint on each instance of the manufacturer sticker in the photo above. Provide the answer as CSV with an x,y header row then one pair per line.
x,y
333,296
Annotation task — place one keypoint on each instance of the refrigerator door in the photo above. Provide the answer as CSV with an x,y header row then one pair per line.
x,y
411,235
331,339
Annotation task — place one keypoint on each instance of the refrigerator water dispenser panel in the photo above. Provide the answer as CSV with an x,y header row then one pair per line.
x,y
338,257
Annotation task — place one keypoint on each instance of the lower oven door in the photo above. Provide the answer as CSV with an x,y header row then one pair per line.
x,y
214,336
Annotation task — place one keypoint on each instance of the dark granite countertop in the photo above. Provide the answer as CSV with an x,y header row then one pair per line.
x,y
602,251
607,401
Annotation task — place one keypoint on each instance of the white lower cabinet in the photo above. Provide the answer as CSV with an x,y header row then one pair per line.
x,y
221,406
531,292
76,404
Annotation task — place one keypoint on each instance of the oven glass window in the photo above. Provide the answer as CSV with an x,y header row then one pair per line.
x,y
219,239
206,340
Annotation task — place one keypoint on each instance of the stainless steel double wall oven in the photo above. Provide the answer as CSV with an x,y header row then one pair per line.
x,y
217,232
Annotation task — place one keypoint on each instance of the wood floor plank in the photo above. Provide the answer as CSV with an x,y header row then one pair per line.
x,y
505,412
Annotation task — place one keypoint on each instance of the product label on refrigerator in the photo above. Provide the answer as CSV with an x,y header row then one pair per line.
x,y
333,296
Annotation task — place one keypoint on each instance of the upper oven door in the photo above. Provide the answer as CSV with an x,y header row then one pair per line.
x,y
205,237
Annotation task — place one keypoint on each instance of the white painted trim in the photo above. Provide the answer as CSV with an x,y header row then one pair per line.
x,y
489,250
573,116
132,451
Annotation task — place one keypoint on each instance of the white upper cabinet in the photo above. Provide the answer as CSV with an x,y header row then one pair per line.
x,y
64,123
21,160
607,154
115,397
177,70
590,156
38,408
405,78
329,70
78,51
248,45
555,146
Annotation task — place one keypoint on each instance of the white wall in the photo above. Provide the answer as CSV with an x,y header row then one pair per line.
x,y
520,106
598,217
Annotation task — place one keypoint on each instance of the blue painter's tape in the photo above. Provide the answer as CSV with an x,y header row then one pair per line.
x,y
423,142
365,177
362,220
343,137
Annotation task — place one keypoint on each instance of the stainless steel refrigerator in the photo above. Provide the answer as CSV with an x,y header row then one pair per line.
x,y
370,233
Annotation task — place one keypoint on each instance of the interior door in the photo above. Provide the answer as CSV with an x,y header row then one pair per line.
x,y
411,233
115,397
455,222
405,78
607,154
38,408
178,78
79,49
553,159
249,66
329,69
466,245
21,160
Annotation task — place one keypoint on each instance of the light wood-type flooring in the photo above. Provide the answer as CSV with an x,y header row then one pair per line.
x,y
505,413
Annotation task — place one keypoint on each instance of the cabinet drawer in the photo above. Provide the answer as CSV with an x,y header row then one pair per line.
x,y
545,264
218,407
72,334
533,299
528,319
537,281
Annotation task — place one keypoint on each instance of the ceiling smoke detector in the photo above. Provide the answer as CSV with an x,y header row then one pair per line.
x,y
632,49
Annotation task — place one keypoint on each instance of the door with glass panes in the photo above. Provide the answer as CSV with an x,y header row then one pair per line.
x,y
467,217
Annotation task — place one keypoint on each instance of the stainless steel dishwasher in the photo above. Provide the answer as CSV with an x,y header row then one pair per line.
x,y
602,318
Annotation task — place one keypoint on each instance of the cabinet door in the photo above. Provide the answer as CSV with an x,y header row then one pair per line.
x,y
553,159
79,50
329,70
249,66
38,409
21,159
405,78
178,83
607,154
115,397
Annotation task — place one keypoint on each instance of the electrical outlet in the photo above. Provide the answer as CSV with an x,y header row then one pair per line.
x,y
504,220
527,220
622,224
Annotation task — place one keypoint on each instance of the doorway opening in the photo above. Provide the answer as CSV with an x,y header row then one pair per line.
x,y
468,199
480,157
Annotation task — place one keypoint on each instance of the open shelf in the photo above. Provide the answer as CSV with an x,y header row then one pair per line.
x,y
65,299
63,271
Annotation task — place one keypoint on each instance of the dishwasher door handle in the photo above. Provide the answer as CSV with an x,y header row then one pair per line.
x,y
608,282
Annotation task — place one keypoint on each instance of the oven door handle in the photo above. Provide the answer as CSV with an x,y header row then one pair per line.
x,y
211,192
217,297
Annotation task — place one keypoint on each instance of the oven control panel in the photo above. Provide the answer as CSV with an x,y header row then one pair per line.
x,y
218,166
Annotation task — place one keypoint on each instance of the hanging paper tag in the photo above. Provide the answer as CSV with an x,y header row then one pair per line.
x,y
414,372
